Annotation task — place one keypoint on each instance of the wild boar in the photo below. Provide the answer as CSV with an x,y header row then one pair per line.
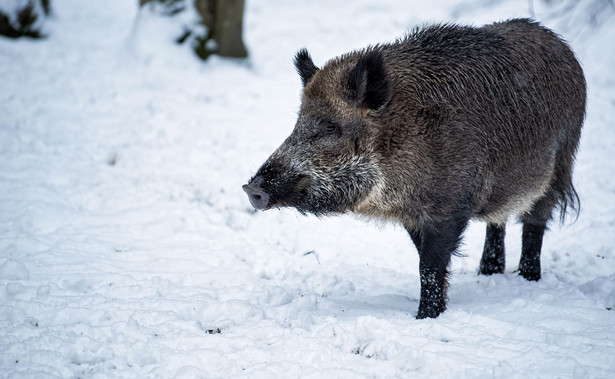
x,y
447,124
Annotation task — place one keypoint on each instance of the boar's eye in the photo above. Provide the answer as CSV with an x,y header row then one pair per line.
x,y
330,128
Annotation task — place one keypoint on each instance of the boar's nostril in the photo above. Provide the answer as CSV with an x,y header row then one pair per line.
x,y
258,198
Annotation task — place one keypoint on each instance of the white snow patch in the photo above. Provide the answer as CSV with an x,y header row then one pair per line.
x,y
13,270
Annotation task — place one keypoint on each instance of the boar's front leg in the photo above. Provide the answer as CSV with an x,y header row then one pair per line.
x,y
435,244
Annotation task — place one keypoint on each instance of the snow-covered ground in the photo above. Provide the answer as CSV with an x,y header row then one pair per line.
x,y
127,248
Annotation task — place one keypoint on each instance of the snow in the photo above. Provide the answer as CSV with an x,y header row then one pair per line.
x,y
128,249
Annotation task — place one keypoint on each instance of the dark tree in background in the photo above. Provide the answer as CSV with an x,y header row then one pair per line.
x,y
220,30
22,21
224,22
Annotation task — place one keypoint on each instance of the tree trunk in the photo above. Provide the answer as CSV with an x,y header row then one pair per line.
x,y
224,19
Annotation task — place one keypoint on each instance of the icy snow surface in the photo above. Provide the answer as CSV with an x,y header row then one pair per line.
x,y
127,248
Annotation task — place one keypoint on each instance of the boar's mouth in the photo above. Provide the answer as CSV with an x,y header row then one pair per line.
x,y
276,192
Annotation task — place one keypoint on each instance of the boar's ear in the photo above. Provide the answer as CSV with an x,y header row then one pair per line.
x,y
367,83
305,67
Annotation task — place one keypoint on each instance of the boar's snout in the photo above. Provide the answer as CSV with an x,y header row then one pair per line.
x,y
258,197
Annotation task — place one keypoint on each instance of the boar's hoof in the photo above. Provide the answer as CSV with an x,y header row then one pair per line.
x,y
430,311
531,275
258,198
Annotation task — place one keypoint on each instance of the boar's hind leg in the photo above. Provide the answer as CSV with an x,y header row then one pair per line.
x,y
435,244
529,265
493,260
531,243
534,226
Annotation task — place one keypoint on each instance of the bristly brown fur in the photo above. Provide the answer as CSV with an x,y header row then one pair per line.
x,y
447,124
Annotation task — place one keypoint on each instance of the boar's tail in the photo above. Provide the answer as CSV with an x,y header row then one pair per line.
x,y
569,203
568,200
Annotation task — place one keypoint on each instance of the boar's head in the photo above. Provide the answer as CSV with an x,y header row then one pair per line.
x,y
328,164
